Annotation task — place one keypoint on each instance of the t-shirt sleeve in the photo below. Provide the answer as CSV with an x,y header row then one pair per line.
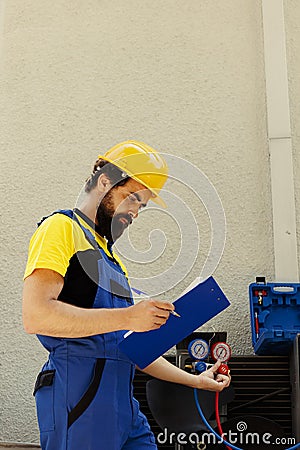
x,y
52,245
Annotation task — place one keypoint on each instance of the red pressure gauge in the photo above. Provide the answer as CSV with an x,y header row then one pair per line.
x,y
221,351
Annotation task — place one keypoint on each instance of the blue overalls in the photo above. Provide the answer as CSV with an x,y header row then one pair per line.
x,y
84,393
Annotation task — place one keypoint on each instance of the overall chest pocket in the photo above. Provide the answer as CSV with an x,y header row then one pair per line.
x,y
121,295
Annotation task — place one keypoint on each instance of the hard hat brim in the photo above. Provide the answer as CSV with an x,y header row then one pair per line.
x,y
159,201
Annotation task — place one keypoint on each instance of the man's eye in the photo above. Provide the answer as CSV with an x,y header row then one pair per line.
x,y
132,198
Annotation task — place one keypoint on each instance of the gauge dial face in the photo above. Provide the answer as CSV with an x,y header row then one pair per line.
x,y
198,349
221,351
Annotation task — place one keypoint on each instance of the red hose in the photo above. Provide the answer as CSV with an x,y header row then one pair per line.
x,y
218,417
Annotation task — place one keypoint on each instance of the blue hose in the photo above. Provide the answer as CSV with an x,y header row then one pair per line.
x,y
216,434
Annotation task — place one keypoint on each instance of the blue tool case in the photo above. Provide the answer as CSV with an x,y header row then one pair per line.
x,y
275,316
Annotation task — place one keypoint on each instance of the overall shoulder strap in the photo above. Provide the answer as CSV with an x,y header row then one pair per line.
x,y
70,213
67,212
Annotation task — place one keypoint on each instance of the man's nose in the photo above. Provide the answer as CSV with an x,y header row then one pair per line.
x,y
134,214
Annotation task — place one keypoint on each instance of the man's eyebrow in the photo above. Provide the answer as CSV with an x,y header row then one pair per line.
x,y
137,196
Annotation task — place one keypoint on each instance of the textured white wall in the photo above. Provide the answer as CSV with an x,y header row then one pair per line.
x,y
185,77
292,20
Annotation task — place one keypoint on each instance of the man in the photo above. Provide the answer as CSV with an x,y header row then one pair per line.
x,y
78,301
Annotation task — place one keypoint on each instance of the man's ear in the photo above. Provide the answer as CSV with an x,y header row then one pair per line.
x,y
103,183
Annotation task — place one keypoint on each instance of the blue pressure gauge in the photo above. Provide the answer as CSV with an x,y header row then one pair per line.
x,y
198,349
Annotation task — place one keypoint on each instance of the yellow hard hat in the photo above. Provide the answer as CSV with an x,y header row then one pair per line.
x,y
142,163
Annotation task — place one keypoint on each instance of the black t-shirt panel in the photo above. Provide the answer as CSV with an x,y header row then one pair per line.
x,y
81,279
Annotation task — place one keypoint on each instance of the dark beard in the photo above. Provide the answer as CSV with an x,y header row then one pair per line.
x,y
109,224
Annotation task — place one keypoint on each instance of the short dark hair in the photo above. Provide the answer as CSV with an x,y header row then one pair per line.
x,y
116,175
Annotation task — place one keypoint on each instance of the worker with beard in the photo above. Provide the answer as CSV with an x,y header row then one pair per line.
x,y
78,301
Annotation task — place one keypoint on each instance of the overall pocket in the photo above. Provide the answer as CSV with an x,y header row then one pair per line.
x,y
89,394
121,293
44,397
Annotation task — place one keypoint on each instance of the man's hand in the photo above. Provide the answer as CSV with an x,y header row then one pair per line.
x,y
148,315
211,380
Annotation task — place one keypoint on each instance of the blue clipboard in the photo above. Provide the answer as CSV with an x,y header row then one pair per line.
x,y
196,307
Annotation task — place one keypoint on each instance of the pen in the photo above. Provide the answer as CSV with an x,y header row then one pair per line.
x,y
139,292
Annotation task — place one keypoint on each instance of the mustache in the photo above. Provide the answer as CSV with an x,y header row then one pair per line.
x,y
127,217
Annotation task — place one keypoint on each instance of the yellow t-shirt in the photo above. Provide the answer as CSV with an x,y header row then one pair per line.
x,y
57,240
